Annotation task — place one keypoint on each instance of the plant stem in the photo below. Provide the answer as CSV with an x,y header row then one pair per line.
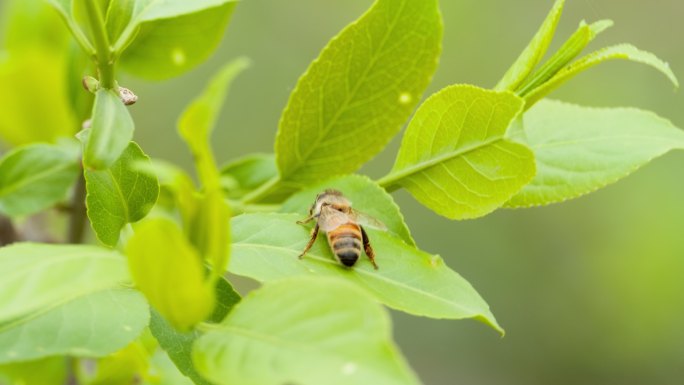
x,y
261,192
77,217
103,51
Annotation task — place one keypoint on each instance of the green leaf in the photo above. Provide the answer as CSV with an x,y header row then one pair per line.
x,y
118,17
620,51
359,92
37,277
32,81
35,177
568,51
178,345
198,120
454,158
110,133
580,149
119,195
66,11
245,174
265,247
47,371
170,40
365,195
31,24
89,326
209,231
333,336
534,52
170,272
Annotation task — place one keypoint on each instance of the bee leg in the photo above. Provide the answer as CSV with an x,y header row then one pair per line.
x,y
306,220
314,234
367,247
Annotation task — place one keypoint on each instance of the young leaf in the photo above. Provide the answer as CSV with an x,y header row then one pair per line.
x,y
580,149
534,52
198,120
47,371
567,52
209,231
365,195
111,131
178,345
454,158
247,173
620,51
174,36
359,92
265,247
66,10
31,81
35,177
93,325
41,276
333,336
170,272
119,195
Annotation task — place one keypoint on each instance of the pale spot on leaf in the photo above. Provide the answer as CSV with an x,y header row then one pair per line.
x,y
405,98
178,57
349,368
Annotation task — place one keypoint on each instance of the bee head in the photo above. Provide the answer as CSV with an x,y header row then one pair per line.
x,y
329,197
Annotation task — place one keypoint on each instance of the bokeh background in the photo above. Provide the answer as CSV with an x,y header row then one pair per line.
x,y
590,291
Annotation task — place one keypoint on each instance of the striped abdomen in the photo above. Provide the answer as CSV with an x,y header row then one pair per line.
x,y
345,242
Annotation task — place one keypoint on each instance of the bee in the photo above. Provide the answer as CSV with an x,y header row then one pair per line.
x,y
342,224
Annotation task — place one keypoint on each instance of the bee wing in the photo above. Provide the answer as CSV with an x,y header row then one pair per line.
x,y
368,221
330,219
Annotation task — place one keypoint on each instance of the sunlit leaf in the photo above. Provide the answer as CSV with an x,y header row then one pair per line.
x,y
198,120
265,247
454,158
123,367
31,24
359,92
534,52
110,133
41,276
119,195
581,149
46,371
321,331
178,345
620,51
173,36
35,177
33,96
89,326
170,272
365,195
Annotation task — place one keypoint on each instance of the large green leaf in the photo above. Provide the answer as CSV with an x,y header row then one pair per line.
x,y
303,331
34,99
365,195
172,37
454,158
170,272
581,149
265,247
110,133
89,326
620,51
533,52
119,195
37,277
178,345
35,177
359,92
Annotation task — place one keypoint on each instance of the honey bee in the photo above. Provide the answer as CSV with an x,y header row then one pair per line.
x,y
342,225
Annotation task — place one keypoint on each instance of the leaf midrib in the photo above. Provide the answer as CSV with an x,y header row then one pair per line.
x,y
395,176
363,272
32,178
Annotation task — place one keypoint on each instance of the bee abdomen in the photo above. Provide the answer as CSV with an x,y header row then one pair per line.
x,y
346,243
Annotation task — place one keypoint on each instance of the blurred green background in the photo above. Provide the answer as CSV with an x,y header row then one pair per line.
x,y
590,291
